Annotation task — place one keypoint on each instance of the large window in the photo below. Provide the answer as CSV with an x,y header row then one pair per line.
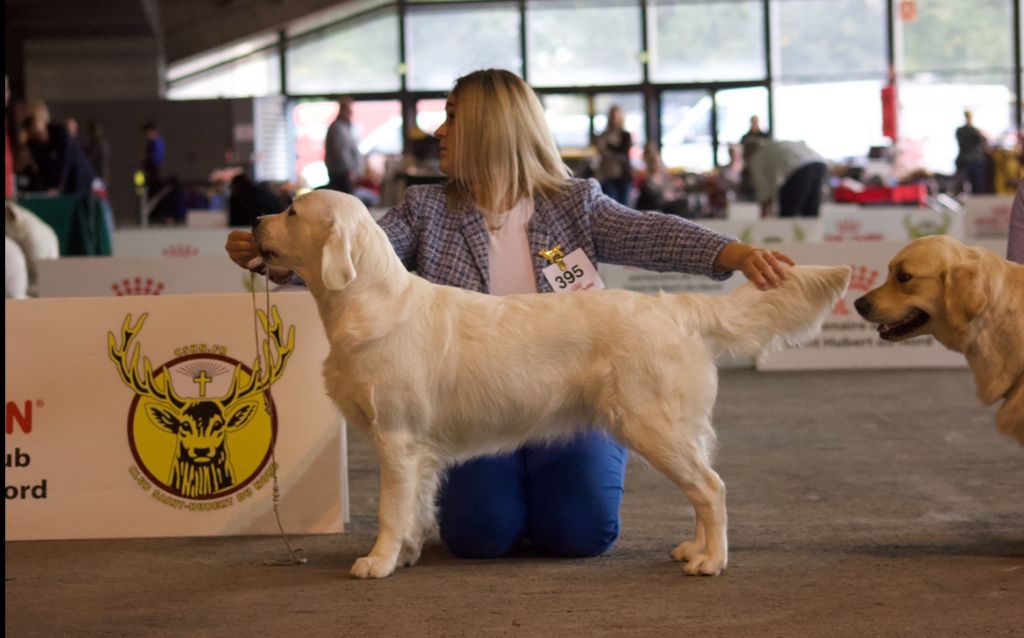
x,y
445,43
254,75
359,56
971,71
686,130
706,40
376,124
568,116
579,44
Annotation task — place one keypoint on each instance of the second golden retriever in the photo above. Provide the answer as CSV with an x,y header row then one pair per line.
x,y
972,301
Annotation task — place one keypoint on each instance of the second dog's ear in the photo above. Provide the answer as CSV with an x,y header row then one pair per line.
x,y
337,270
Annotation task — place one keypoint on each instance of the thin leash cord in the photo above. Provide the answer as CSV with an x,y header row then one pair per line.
x,y
295,556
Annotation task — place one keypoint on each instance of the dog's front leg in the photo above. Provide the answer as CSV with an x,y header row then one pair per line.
x,y
428,478
398,478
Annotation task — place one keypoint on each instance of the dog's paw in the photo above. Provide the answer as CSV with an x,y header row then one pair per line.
x,y
372,567
685,551
409,555
704,565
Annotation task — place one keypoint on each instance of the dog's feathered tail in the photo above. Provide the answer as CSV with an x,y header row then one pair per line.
x,y
749,321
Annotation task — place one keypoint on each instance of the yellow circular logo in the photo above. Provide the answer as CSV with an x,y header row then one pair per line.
x,y
209,437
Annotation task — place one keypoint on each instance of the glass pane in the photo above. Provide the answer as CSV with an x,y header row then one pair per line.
x,y
376,124
583,43
735,107
832,38
974,34
429,115
706,40
838,119
444,44
257,75
686,130
196,63
569,119
930,113
357,57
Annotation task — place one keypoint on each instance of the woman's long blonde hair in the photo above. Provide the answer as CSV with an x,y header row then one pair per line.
x,y
504,150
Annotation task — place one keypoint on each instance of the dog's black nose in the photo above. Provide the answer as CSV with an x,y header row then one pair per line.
x,y
863,305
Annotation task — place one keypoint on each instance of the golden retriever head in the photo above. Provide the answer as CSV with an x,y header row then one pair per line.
x,y
933,287
321,236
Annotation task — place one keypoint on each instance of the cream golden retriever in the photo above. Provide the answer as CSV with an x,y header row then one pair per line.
x,y
972,301
436,374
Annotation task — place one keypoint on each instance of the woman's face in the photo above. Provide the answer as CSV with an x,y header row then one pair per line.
x,y
445,133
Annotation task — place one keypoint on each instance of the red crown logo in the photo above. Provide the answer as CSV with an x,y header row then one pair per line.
x,y
863,278
180,250
137,286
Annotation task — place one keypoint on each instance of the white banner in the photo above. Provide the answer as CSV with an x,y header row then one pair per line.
x,y
170,242
988,216
133,276
847,340
850,222
99,446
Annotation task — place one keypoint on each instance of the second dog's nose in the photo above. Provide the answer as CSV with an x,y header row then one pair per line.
x,y
863,305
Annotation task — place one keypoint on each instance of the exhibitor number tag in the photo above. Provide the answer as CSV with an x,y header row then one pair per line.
x,y
573,272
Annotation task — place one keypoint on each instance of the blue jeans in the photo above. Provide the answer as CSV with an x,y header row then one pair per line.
x,y
563,499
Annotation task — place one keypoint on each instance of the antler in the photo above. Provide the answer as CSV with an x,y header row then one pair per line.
x,y
143,384
257,383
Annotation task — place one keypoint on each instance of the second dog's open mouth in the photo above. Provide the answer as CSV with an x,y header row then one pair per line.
x,y
898,329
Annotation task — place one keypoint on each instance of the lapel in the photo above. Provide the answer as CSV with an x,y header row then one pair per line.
x,y
475,232
544,233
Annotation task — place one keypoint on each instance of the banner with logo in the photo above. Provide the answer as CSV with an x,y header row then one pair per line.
x,y
142,276
887,223
153,416
847,340
988,216
170,242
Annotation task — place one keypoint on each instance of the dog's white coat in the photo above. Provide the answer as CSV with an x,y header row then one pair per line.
x,y
437,374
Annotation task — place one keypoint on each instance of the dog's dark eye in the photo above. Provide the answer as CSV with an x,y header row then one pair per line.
x,y
903,277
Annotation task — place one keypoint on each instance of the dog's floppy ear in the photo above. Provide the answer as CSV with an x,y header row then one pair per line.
x,y
337,270
964,295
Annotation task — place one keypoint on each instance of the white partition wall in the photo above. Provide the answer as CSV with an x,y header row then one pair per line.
x,y
99,448
126,276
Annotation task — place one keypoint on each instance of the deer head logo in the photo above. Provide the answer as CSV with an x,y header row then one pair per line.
x,y
203,427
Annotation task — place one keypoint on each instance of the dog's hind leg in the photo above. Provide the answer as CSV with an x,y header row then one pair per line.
x,y
396,512
429,476
684,461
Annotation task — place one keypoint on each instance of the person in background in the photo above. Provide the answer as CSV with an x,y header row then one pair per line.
x,y
508,195
341,150
1015,246
971,160
153,155
753,138
97,149
614,171
60,165
658,188
249,200
788,178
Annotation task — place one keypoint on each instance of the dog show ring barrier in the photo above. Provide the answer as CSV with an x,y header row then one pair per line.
x,y
142,416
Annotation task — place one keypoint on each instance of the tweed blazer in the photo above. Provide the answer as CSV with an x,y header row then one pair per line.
x,y
450,246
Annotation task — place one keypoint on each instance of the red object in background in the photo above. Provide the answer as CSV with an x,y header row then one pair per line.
x,y
915,194
908,10
890,112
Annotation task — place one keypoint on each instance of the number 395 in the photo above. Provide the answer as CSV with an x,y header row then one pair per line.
x,y
569,276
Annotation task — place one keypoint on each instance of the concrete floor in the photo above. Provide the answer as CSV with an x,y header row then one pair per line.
x,y
860,504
